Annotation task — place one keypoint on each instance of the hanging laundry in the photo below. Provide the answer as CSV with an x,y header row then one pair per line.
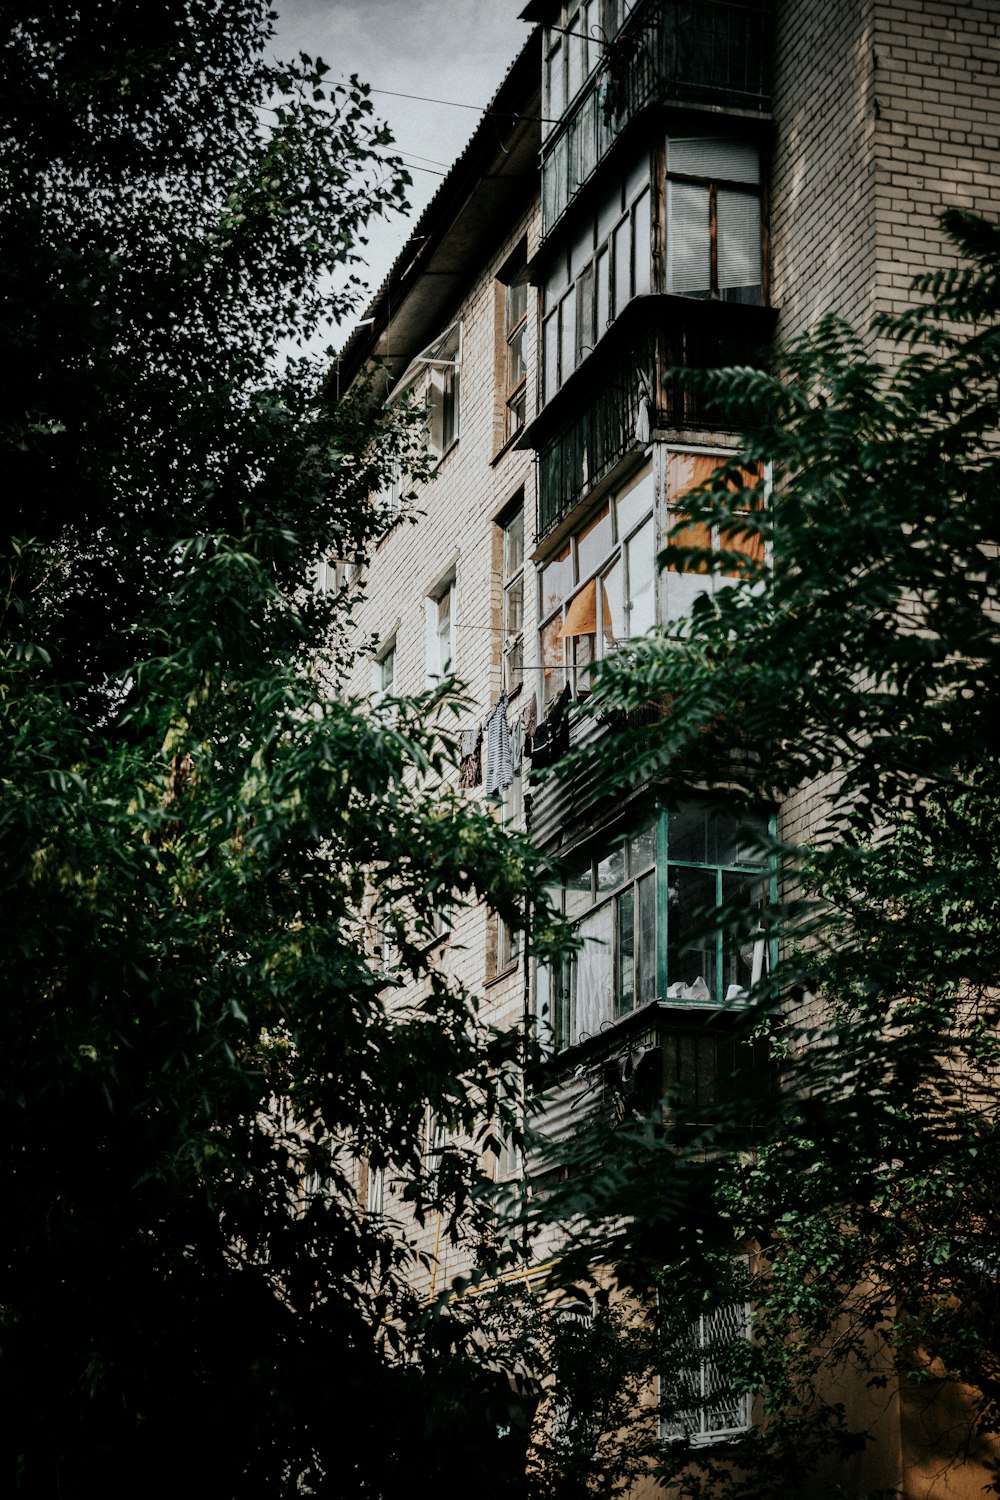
x,y
499,757
470,769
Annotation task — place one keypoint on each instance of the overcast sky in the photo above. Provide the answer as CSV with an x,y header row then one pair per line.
x,y
447,49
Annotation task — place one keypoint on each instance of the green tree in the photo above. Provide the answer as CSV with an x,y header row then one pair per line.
x,y
863,657
198,1046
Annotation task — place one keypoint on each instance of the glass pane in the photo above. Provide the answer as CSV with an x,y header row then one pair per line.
x,y
581,249
643,247
635,501
583,655
646,890
641,555
593,542
513,544
608,213
517,305
689,271
714,156
741,893
738,245
577,57
557,580
556,89
517,363
603,280
752,827
613,605
625,925
513,607
638,177
642,850
585,315
592,975
623,264
611,869
553,676
691,901
688,833
577,888
567,334
556,282
550,338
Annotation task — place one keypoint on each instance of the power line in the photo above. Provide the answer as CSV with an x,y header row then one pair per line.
x,y
480,109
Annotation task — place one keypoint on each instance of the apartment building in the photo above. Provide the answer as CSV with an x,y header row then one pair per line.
x,y
663,183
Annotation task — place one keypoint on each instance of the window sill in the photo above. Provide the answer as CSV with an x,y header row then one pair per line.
x,y
502,974
506,446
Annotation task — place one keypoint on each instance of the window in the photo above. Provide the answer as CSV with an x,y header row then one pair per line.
x,y
376,1191
599,589
513,599
433,376
698,1400
333,574
714,218
685,472
572,50
441,633
589,283
508,948
644,909
515,320
384,676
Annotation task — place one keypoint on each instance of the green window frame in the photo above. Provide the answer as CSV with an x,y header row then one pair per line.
x,y
641,901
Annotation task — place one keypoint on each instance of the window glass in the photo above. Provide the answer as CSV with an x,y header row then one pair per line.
x,y
603,279
592,980
551,345
641,558
567,334
634,502
578,888
642,850
623,265
613,604
646,893
642,248
552,661
593,542
625,991
611,869
638,177
557,579
691,945
595,616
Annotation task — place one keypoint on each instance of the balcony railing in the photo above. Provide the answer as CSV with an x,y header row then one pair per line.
x,y
710,51
703,1061
628,386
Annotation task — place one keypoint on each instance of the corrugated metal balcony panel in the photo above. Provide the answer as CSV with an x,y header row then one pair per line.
x,y
695,1052
565,800
668,50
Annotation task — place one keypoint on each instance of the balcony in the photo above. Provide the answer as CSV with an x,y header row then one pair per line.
x,y
598,415
699,1058
668,52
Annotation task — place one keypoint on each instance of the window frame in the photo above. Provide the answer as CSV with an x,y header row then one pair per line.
x,y
571,302
673,1430
753,190
513,575
559,987
435,376
574,664
439,667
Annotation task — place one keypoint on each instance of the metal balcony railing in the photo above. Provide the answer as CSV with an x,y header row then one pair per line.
x,y
710,51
